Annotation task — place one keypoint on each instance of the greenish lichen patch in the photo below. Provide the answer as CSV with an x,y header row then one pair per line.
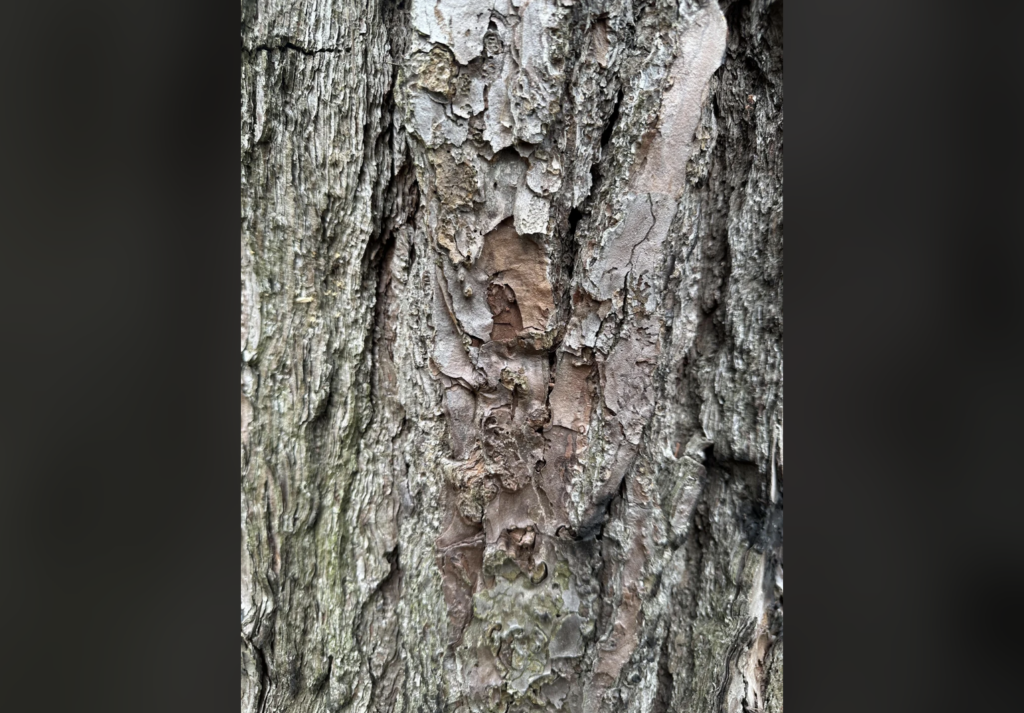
x,y
434,71
525,621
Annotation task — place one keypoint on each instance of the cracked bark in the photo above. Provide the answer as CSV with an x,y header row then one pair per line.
x,y
511,356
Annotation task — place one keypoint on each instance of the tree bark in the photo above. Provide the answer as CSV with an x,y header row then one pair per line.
x,y
511,345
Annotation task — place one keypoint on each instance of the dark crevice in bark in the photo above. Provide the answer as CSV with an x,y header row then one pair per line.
x,y
773,538
378,332
264,675
295,676
739,644
271,541
343,535
571,242
596,167
381,336
574,218
613,120
326,228
361,624
318,686
289,45
699,546
379,255
262,639
666,679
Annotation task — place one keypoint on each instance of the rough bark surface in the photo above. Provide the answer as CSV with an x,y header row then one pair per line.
x,y
511,340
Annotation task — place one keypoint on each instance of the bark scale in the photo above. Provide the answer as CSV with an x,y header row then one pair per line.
x,y
511,356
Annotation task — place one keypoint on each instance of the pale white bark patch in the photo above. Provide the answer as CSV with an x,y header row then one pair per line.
x,y
699,53
460,24
531,212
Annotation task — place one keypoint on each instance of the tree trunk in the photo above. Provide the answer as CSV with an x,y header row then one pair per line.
x,y
511,355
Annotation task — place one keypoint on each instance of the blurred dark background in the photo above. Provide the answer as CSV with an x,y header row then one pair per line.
x,y
118,490
118,495
904,309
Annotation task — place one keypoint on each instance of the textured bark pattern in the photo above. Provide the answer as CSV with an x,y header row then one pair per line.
x,y
512,356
